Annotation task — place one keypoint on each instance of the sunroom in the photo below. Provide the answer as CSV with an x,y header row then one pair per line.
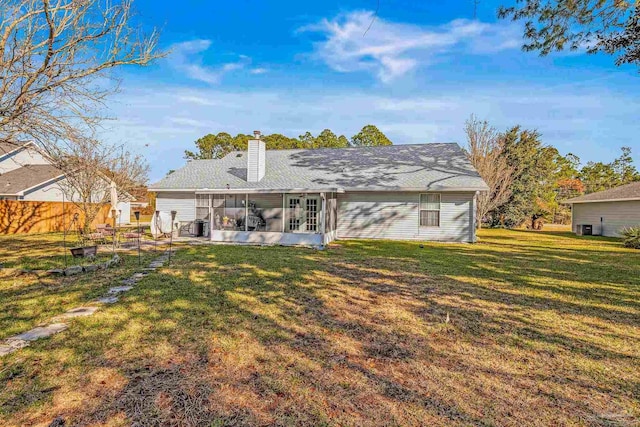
x,y
278,217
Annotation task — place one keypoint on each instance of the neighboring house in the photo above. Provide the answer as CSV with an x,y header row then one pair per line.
x,y
404,192
27,174
608,211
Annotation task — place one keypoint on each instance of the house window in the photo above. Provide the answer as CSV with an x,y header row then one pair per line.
x,y
430,210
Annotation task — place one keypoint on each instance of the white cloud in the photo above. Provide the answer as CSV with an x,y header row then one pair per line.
x,y
259,70
390,50
186,57
192,123
192,99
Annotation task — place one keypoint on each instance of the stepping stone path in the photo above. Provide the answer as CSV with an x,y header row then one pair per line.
x,y
17,342
76,312
119,289
107,300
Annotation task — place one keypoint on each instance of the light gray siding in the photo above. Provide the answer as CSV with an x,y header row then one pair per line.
x,y
48,193
395,215
183,203
615,216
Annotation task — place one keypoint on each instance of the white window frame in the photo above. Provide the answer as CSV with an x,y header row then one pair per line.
x,y
428,210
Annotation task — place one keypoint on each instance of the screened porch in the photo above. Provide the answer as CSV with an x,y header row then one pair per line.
x,y
269,218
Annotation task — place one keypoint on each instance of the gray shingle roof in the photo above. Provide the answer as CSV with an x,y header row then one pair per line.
x,y
624,192
18,180
419,166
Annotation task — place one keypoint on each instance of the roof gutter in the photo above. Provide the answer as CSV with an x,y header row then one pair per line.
x,y
422,189
16,150
268,190
632,199
313,190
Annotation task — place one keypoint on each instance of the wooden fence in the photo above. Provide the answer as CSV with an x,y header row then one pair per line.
x,y
18,217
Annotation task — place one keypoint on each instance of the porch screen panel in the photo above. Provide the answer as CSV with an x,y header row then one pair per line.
x,y
265,212
217,203
229,212
202,206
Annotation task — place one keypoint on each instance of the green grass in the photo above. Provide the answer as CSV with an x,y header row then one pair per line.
x,y
523,328
29,299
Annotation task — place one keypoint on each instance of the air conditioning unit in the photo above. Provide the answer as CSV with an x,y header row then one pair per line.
x,y
585,230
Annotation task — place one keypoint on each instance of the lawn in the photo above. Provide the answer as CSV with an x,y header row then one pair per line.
x,y
523,328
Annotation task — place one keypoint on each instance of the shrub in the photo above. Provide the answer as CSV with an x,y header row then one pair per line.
x,y
631,237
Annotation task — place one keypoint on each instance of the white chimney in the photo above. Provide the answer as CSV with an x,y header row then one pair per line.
x,y
255,158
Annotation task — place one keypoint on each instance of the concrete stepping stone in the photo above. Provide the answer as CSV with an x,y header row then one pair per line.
x,y
90,268
129,282
12,346
108,300
73,270
120,289
156,264
55,272
76,312
138,276
39,332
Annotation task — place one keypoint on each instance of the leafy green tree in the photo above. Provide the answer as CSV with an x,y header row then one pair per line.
x,y
566,185
610,26
532,188
623,166
598,176
626,41
278,141
212,146
567,166
241,142
370,136
343,142
215,146
307,140
328,139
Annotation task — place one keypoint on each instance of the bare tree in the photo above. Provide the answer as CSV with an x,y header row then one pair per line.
x,y
484,148
55,63
90,168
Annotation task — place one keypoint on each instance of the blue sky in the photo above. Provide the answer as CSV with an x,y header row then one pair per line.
x,y
419,72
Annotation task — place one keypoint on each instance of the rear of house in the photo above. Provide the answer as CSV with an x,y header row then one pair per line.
x,y
311,197
606,213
